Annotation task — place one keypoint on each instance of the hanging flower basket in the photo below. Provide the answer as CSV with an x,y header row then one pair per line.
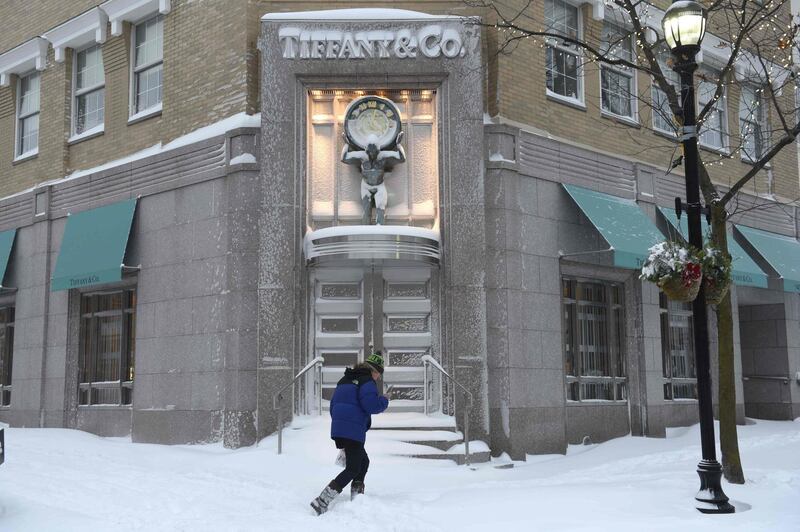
x,y
716,274
676,269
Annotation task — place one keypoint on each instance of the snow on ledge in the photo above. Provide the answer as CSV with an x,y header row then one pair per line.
x,y
394,230
245,158
357,14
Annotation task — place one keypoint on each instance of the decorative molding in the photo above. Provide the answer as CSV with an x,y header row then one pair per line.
x,y
358,243
27,56
78,31
120,11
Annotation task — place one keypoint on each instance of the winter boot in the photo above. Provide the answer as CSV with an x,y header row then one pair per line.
x,y
356,488
320,504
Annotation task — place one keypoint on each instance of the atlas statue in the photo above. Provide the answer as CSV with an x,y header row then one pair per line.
x,y
372,134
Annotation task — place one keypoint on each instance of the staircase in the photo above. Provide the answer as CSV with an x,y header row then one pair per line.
x,y
431,437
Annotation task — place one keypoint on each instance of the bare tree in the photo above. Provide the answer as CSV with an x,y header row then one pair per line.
x,y
756,43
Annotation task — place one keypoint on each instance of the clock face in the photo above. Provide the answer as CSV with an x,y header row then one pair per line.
x,y
372,120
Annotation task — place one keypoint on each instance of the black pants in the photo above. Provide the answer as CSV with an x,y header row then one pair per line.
x,y
357,462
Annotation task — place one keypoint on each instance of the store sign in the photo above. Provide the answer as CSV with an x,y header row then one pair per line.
x,y
431,41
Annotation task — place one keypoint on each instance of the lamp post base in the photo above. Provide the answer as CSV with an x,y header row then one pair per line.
x,y
711,499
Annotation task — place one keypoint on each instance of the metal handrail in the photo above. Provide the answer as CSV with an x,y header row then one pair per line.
x,y
316,363
428,360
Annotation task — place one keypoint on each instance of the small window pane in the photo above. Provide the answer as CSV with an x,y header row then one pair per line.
x,y
29,95
407,290
410,324
29,133
340,359
90,112
405,358
409,393
603,391
339,325
149,41
341,291
148,88
89,68
562,72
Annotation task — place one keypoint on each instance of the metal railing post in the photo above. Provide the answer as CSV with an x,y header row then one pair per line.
x,y
428,360
425,384
280,427
319,388
466,431
276,398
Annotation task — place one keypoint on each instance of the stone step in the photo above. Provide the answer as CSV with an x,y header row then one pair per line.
x,y
460,459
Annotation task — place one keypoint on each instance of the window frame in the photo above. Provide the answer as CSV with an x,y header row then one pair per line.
x,y
77,93
758,122
622,71
720,107
671,75
556,44
126,357
133,113
667,311
18,153
7,360
616,327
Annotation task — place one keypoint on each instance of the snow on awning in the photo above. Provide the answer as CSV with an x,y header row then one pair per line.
x,y
620,222
781,252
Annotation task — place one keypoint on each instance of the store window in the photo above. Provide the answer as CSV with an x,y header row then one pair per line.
x,y
562,67
714,129
88,91
617,82
148,65
751,123
107,347
594,331
677,350
6,353
28,115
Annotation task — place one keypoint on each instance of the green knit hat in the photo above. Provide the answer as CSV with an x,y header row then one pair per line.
x,y
376,361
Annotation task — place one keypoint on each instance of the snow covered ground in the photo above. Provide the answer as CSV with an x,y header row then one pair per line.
x,y
56,480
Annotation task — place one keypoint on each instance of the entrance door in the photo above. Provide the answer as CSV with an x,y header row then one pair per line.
x,y
357,310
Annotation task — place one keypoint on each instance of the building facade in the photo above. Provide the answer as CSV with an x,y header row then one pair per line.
x,y
183,228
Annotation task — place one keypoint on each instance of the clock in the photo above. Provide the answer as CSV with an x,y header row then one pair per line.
x,y
372,120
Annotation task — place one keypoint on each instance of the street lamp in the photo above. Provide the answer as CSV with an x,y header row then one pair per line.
x,y
684,25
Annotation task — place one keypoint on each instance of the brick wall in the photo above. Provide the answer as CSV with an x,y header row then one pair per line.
x,y
205,77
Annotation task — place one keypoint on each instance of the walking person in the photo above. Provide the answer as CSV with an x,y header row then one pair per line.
x,y
354,401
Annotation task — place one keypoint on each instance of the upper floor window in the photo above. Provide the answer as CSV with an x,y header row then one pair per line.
x,y
594,332
28,115
617,83
107,347
662,113
89,90
148,64
6,353
677,349
714,130
751,123
563,69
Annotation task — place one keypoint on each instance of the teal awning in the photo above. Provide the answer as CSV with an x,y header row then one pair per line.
x,y
621,222
745,271
781,252
6,243
93,246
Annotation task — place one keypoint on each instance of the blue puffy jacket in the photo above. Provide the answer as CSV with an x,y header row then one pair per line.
x,y
355,398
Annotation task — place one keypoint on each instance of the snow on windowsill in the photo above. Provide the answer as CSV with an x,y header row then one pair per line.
x,y
357,14
97,130
141,115
27,155
245,158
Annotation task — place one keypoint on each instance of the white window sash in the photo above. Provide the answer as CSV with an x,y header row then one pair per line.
x,y
77,93
22,116
136,71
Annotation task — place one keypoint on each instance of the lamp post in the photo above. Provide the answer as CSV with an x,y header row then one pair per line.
x,y
684,25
